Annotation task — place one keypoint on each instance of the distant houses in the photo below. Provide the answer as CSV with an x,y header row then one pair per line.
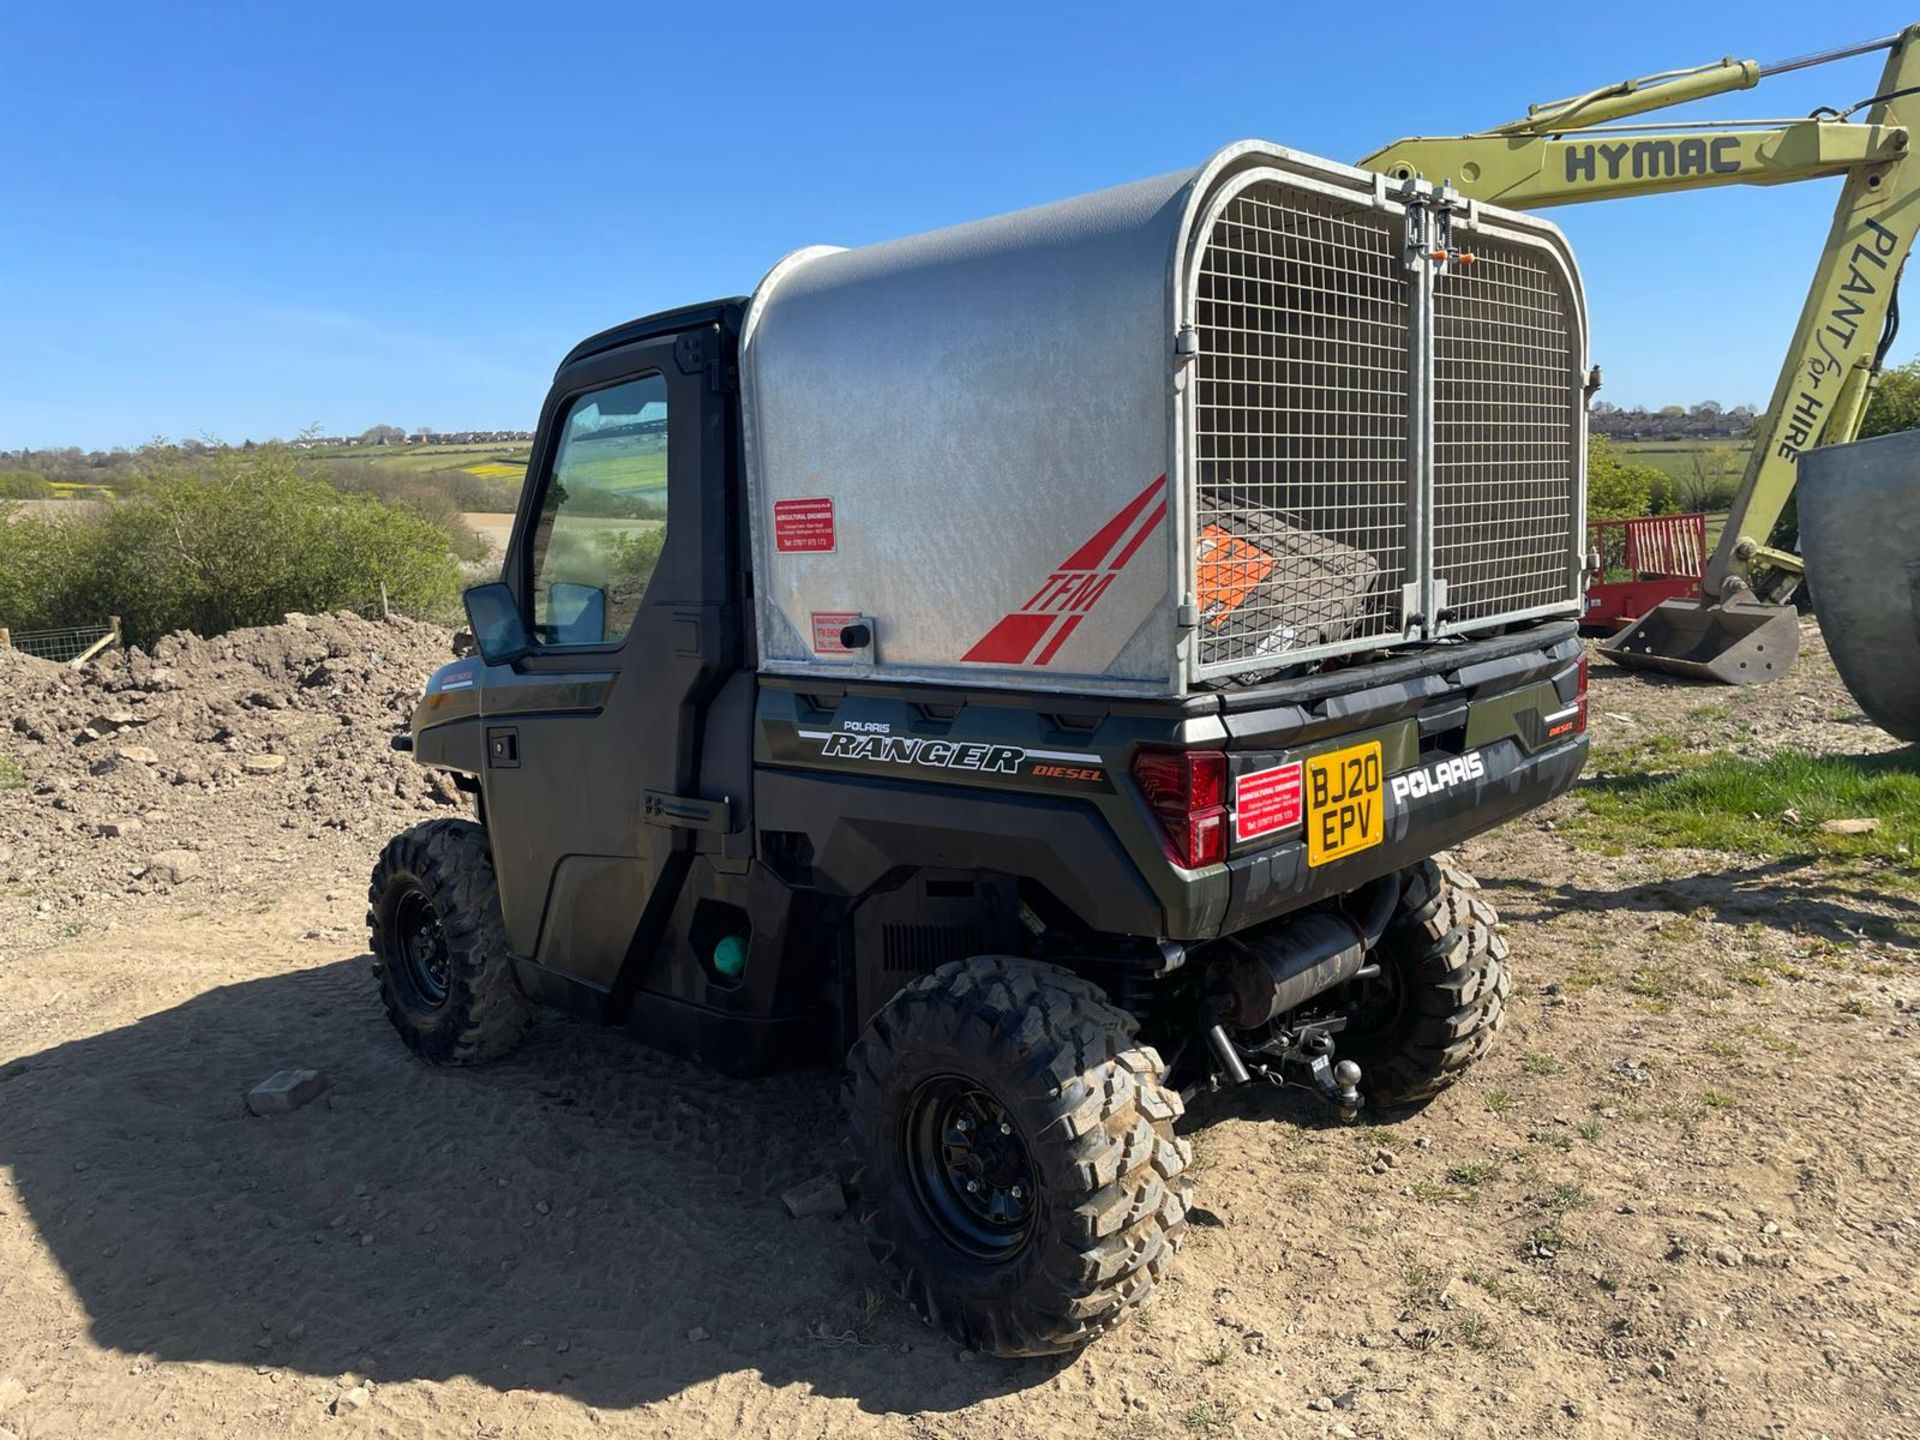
x,y
419,437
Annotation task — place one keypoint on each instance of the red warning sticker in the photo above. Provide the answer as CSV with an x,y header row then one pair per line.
x,y
1265,801
827,625
803,527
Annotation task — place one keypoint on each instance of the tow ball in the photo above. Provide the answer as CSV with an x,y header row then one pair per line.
x,y
1302,1058
1308,1062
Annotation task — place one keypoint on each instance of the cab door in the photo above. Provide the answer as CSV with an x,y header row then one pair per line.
x,y
622,565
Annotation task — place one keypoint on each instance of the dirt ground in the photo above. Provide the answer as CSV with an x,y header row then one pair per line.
x,y
1679,1199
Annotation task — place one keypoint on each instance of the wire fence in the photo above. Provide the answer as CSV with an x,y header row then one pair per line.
x,y
70,645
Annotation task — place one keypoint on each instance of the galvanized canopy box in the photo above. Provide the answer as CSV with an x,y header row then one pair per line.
x,y
1213,424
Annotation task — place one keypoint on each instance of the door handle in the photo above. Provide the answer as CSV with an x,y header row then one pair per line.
x,y
503,747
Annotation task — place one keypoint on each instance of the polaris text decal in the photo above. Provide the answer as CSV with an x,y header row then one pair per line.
x,y
1414,784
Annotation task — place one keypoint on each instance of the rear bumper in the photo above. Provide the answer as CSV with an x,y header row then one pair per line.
x,y
1275,881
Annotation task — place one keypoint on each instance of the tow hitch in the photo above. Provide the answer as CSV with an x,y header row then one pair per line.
x,y
1306,1059
1302,1058
1261,979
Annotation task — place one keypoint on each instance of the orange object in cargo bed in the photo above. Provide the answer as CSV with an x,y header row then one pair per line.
x,y
1227,570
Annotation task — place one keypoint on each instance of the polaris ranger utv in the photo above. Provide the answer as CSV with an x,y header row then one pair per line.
x,y
1036,665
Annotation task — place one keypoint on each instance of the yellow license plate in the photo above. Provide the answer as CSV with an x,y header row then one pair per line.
x,y
1346,812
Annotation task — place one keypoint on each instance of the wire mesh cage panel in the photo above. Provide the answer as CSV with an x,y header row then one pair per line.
x,y
1299,428
1507,432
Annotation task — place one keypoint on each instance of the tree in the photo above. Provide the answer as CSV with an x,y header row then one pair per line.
x,y
1896,402
1711,477
383,435
1617,488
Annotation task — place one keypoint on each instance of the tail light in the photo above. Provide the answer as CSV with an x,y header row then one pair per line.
x,y
1187,791
1580,699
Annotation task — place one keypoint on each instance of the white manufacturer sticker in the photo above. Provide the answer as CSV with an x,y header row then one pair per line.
x,y
1415,784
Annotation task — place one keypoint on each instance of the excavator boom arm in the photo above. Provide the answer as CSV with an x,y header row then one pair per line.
x,y
1531,172
1560,155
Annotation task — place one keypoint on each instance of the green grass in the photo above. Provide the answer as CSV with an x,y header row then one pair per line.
x,y
1562,1198
1730,803
1499,1101
1543,1064
1424,1283
1207,1416
1476,1334
1475,1173
12,776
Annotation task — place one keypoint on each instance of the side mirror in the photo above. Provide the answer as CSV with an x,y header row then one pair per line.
x,y
496,623
579,614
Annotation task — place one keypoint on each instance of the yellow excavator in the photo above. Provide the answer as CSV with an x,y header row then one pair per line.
x,y
1738,629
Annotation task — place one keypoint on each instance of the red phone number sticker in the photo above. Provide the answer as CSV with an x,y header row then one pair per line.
x,y
803,527
1266,801
827,625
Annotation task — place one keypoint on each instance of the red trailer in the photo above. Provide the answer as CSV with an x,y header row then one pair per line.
x,y
1642,562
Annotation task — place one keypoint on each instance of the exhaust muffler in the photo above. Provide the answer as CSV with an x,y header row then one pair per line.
x,y
1284,968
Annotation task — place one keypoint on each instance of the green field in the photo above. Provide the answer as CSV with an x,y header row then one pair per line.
x,y
619,464
75,490
1680,459
424,459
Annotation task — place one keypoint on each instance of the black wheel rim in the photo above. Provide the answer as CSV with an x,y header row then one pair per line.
x,y
970,1167
420,945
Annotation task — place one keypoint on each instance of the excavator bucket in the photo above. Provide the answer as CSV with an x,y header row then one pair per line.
x,y
1860,535
1737,642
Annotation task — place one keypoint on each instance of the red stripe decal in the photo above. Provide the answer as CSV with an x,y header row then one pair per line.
x,y
1059,639
1072,590
1089,555
1138,536
1012,640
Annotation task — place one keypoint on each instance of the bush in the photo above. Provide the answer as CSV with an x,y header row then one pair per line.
x,y
24,485
1618,488
487,494
431,496
238,539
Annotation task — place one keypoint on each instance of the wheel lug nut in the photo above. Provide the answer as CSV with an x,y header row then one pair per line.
x,y
1005,1128
973,1187
961,1123
1016,1192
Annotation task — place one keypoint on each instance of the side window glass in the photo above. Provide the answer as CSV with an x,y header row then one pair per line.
x,y
603,517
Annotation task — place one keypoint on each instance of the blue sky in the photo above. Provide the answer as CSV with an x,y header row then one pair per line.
x,y
242,219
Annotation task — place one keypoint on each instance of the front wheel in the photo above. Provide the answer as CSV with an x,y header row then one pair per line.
x,y
1018,1166
440,945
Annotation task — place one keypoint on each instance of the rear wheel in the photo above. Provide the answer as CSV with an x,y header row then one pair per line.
x,y
1018,1166
1442,992
440,945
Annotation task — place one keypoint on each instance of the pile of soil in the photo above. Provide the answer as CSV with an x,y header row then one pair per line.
x,y
199,765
